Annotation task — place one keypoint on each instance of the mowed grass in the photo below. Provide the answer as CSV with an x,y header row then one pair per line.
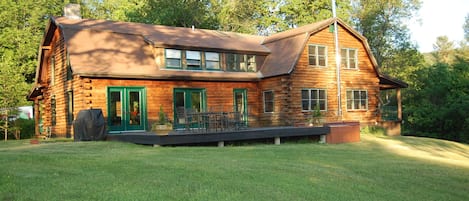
x,y
377,168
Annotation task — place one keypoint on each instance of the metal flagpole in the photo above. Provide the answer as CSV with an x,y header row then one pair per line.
x,y
337,60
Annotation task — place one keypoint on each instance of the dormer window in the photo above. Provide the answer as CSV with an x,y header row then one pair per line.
x,y
212,61
240,63
193,59
173,58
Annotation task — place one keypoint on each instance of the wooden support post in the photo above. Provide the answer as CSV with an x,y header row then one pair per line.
x,y
322,139
36,117
277,140
156,145
399,104
221,144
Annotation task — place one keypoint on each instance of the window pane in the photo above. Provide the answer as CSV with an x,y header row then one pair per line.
x,y
305,105
173,63
363,95
322,61
171,53
193,63
304,94
314,94
322,105
268,101
242,63
230,62
252,67
321,51
193,55
212,56
356,94
312,60
312,50
212,65
322,94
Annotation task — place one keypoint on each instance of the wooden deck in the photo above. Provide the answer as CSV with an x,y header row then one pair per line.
x,y
176,138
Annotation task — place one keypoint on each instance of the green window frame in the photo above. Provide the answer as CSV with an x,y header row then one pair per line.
x,y
173,58
193,59
349,58
240,62
313,98
212,61
317,55
357,99
268,97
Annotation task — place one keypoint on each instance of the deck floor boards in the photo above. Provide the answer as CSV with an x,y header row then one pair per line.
x,y
181,138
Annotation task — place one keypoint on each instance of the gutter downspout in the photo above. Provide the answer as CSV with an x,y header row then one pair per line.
x,y
337,61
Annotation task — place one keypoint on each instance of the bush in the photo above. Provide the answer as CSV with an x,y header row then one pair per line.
x,y
26,127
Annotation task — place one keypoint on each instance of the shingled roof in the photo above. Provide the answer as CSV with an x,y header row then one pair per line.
x,y
123,49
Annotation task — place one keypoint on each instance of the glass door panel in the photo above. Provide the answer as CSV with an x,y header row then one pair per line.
x,y
115,110
240,104
188,100
126,108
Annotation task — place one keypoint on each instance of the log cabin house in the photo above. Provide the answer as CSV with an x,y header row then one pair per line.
x,y
131,70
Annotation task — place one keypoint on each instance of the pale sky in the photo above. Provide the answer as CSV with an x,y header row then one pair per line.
x,y
438,18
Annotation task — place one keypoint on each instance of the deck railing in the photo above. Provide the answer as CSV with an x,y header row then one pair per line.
x,y
200,122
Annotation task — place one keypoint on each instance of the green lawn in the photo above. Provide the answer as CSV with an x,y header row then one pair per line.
x,y
378,168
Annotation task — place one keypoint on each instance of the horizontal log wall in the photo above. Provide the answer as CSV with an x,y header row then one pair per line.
x,y
160,93
306,76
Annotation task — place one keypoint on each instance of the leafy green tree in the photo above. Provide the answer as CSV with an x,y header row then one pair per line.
x,y
181,13
382,23
443,49
301,12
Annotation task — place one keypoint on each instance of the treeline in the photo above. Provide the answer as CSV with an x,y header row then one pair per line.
x,y
437,102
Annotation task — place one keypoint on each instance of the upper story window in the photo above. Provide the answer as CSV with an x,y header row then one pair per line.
x,y
212,61
268,101
193,59
357,100
200,60
349,58
173,58
240,62
317,55
313,99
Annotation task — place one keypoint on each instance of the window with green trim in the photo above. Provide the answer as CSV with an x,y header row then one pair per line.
x,y
173,58
240,62
212,61
193,59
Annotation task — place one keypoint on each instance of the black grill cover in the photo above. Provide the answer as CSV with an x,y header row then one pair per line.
x,y
89,125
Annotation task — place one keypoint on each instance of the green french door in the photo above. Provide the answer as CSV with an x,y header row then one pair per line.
x,y
126,108
240,104
189,100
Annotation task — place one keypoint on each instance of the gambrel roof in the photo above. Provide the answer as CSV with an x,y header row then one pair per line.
x,y
103,48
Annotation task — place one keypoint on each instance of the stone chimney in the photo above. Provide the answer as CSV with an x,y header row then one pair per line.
x,y
72,11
